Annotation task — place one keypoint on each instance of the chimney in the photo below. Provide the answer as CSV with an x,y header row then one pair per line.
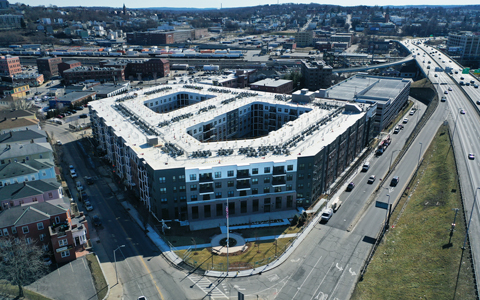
x,y
24,183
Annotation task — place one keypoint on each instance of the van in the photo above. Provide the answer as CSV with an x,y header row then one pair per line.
x,y
366,166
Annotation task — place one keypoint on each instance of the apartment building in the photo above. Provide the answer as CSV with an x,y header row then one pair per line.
x,y
268,156
10,65
317,74
48,65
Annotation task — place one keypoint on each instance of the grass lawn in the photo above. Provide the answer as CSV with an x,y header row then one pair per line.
x,y
419,258
98,279
268,231
258,254
10,291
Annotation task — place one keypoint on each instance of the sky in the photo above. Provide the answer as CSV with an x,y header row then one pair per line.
x,y
234,3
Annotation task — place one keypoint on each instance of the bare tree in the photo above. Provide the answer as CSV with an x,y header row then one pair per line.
x,y
21,262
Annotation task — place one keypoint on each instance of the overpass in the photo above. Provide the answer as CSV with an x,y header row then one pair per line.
x,y
379,66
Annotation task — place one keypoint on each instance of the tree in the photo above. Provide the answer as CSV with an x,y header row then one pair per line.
x,y
21,262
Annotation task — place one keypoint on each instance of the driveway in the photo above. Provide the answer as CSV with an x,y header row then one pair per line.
x,y
74,275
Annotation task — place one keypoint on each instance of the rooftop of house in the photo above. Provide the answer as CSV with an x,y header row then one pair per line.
x,y
29,214
21,135
27,189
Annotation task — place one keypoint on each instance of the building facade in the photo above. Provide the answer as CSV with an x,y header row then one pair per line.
x,y
304,38
316,74
10,65
100,74
48,65
464,44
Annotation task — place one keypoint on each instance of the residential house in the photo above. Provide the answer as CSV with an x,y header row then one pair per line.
x,y
30,192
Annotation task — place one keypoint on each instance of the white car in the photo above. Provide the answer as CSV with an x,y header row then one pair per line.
x,y
79,186
88,206
73,174
327,214
405,120
450,89
412,112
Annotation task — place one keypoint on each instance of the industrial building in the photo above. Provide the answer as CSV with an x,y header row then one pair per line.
x,y
389,93
100,74
186,149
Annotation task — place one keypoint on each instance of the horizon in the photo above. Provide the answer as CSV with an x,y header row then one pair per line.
x,y
216,4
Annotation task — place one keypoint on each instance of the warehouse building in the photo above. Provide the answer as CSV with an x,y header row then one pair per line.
x,y
187,149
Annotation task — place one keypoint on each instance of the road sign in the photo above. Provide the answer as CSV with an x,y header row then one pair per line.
x,y
380,204
466,71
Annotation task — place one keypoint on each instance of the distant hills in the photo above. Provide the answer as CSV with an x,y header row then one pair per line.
x,y
175,8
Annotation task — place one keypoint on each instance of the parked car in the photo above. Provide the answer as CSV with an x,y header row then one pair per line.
x,y
462,111
326,215
450,89
84,196
405,120
83,116
96,221
89,180
88,206
79,186
395,181
412,112
471,156
73,174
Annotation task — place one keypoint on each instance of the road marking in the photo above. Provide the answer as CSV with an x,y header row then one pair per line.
x,y
339,268
238,288
273,277
352,272
307,277
338,282
206,286
295,260
321,282
324,296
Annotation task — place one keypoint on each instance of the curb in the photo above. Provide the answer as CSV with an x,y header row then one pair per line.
x,y
103,273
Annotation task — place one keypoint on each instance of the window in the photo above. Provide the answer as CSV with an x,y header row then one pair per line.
x,y
289,177
255,171
25,229
218,174
218,195
289,187
163,200
181,177
289,201
174,178
28,241
40,226
278,203
219,210
65,253
230,173
301,166
162,179
254,191
207,213
14,230
193,187
194,198
163,190
218,185
254,180
57,219
278,189
290,168
266,190
5,232
63,242
231,193
255,205
266,170
45,247
230,183
300,186
243,207
181,188
195,212
301,176
193,176
266,180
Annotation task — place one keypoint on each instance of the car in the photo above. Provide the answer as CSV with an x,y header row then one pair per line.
x,y
445,92
140,82
436,75
73,174
412,112
350,186
47,260
38,93
449,61
478,102
73,111
59,142
326,215
60,116
88,206
395,181
467,84
84,196
78,108
71,167
142,298
471,156
450,89
79,186
83,116
89,180
405,120
371,179
397,130
96,221
462,111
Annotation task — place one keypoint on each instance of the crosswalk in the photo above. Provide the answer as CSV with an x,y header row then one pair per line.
x,y
207,286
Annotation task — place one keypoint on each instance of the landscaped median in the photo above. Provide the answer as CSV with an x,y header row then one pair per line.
x,y
421,257
99,281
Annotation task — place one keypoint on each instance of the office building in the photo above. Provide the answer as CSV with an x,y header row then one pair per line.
x,y
48,65
10,65
464,44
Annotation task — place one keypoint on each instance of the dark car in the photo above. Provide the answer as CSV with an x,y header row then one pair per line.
x,y
350,186
395,181
83,116
84,196
96,221
89,180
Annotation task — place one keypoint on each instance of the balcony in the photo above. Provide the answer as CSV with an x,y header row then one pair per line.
x,y
243,174
206,189
243,184
278,181
279,170
206,177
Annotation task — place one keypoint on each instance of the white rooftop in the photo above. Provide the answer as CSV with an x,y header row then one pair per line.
x,y
176,133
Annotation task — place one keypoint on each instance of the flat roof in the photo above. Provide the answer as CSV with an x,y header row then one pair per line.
x,y
270,82
366,87
319,125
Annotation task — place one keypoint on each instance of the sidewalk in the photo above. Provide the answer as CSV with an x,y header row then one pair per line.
x,y
115,291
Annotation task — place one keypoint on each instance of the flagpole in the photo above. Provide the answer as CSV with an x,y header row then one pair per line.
x,y
228,239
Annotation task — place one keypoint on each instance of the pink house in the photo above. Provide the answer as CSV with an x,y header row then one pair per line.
x,y
29,192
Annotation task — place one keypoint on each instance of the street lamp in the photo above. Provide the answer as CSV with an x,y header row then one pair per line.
x,y
115,259
470,220
391,157
419,154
